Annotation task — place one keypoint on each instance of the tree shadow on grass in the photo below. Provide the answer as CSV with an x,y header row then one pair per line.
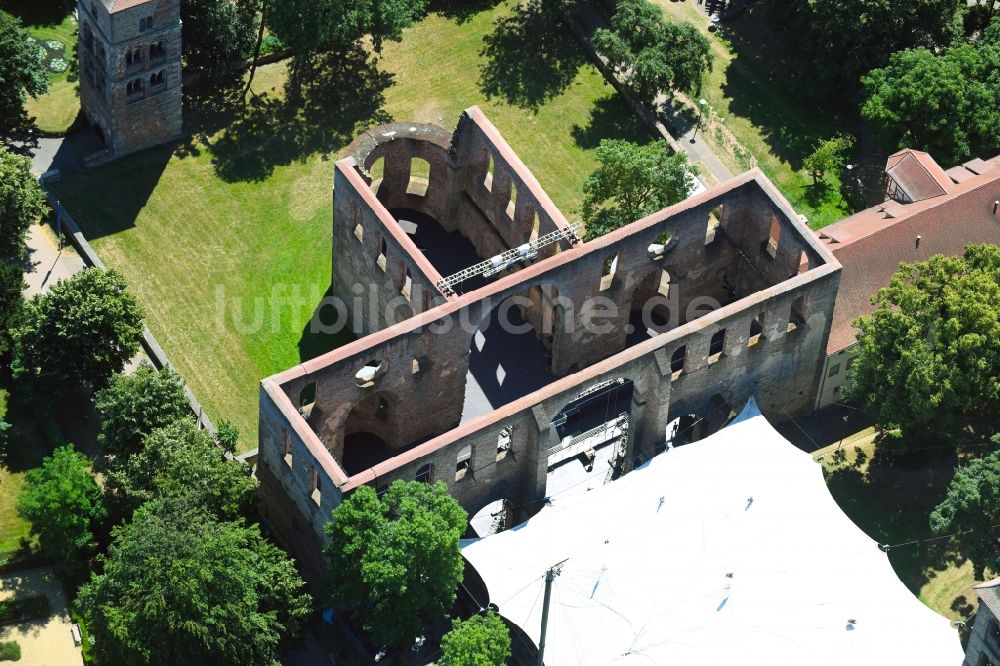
x,y
460,11
530,57
891,502
336,96
610,118
760,84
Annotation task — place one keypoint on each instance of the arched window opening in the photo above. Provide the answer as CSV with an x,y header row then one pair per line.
x,y
774,237
463,464
608,270
420,176
512,202
660,245
717,346
797,315
425,474
488,174
307,399
714,220
756,330
504,442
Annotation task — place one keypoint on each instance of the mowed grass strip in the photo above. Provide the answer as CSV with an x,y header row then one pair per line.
x,y
226,241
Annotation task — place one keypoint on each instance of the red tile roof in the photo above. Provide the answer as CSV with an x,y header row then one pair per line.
x,y
918,174
120,5
872,243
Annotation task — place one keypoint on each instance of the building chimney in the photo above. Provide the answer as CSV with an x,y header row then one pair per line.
x,y
918,241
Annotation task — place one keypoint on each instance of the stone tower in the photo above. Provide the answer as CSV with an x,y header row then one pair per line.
x,y
130,71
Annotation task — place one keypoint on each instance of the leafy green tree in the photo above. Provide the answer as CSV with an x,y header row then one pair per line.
x,y
83,330
217,33
22,74
396,558
971,509
928,357
227,435
829,155
11,300
632,181
651,54
836,41
947,105
482,640
181,458
135,404
180,587
21,200
63,503
313,26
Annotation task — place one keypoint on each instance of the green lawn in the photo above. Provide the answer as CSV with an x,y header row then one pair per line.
x,y
12,528
237,221
749,94
56,110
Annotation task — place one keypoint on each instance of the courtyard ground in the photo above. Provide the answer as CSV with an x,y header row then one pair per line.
x,y
749,94
45,642
891,503
56,110
225,239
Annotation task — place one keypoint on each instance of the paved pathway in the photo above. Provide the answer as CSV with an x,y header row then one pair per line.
x,y
49,263
697,149
45,642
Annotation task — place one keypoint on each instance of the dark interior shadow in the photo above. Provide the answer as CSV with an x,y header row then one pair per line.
x,y
460,11
530,57
761,84
336,95
327,330
610,118
107,199
522,357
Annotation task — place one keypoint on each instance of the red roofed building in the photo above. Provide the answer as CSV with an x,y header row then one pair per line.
x,y
927,211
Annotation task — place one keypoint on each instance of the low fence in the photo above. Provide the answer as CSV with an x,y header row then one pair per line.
x,y
67,226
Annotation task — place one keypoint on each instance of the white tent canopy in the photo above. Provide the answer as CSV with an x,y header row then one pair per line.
x,y
674,564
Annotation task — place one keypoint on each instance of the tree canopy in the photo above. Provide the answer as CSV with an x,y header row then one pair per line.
x,y
217,33
180,458
63,503
396,558
482,640
836,41
928,357
135,404
827,156
11,300
21,201
971,509
83,330
180,587
22,74
947,104
632,181
312,26
654,55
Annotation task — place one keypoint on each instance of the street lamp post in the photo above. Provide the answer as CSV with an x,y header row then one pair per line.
x,y
702,103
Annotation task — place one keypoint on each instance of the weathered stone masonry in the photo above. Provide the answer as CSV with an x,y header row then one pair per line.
x,y
130,71
739,244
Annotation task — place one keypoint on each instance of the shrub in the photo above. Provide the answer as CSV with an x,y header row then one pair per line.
x,y
28,608
271,44
10,651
